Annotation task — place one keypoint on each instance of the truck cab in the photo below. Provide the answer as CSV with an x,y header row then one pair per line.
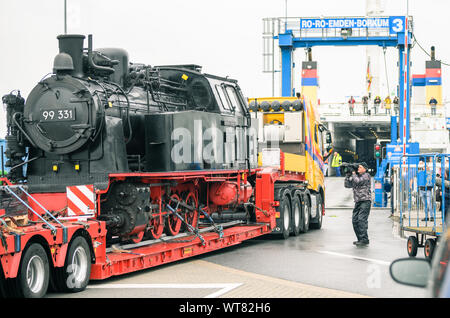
x,y
292,141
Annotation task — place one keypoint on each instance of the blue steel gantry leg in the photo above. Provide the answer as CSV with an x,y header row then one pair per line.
x,y
404,91
286,45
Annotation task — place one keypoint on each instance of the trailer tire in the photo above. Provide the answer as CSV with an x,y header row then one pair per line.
x,y
74,275
412,246
306,215
285,214
317,222
34,272
296,215
428,249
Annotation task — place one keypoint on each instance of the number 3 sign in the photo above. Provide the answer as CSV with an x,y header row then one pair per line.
x,y
396,24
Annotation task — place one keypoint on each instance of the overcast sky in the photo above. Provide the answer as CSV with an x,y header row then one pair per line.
x,y
225,37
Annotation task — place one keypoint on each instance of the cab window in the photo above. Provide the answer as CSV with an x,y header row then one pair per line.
x,y
201,95
222,98
315,135
321,141
233,98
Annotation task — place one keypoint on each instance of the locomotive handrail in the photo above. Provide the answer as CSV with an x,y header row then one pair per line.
x,y
25,162
21,129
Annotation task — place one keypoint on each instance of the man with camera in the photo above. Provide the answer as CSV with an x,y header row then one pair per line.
x,y
358,179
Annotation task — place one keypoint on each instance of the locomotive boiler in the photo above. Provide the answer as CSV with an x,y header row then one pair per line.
x,y
99,114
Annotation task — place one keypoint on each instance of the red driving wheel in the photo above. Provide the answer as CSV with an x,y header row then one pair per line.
x,y
191,216
138,237
156,226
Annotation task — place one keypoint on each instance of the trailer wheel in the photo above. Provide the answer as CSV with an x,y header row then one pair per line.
x,y
74,275
317,224
34,272
285,214
296,215
306,214
412,245
428,249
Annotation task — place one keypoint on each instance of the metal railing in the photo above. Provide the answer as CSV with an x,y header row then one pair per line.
x,y
417,110
421,192
11,190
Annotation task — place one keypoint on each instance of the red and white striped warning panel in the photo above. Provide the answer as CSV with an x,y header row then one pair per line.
x,y
80,201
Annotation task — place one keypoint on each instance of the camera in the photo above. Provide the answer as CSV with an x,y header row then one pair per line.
x,y
348,168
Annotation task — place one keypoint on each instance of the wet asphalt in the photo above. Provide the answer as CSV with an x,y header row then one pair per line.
x,y
327,257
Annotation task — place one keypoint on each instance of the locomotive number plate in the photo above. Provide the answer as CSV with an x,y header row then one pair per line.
x,y
66,114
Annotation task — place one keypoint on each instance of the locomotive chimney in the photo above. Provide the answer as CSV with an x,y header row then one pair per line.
x,y
72,44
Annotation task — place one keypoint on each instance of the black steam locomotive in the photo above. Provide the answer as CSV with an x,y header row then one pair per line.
x,y
99,114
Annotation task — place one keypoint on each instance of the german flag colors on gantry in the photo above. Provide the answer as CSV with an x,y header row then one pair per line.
x,y
310,82
433,81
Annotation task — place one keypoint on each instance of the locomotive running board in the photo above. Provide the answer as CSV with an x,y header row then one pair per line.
x,y
167,239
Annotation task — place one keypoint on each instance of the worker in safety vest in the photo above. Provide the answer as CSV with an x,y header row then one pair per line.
x,y
336,163
387,105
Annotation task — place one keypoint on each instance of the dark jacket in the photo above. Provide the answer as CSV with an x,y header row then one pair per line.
x,y
433,102
447,192
361,186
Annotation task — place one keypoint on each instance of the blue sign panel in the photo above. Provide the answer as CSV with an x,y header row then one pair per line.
x,y
394,24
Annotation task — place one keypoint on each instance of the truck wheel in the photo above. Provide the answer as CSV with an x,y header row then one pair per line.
x,y
74,275
306,214
317,223
285,214
34,272
296,215
412,245
428,249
